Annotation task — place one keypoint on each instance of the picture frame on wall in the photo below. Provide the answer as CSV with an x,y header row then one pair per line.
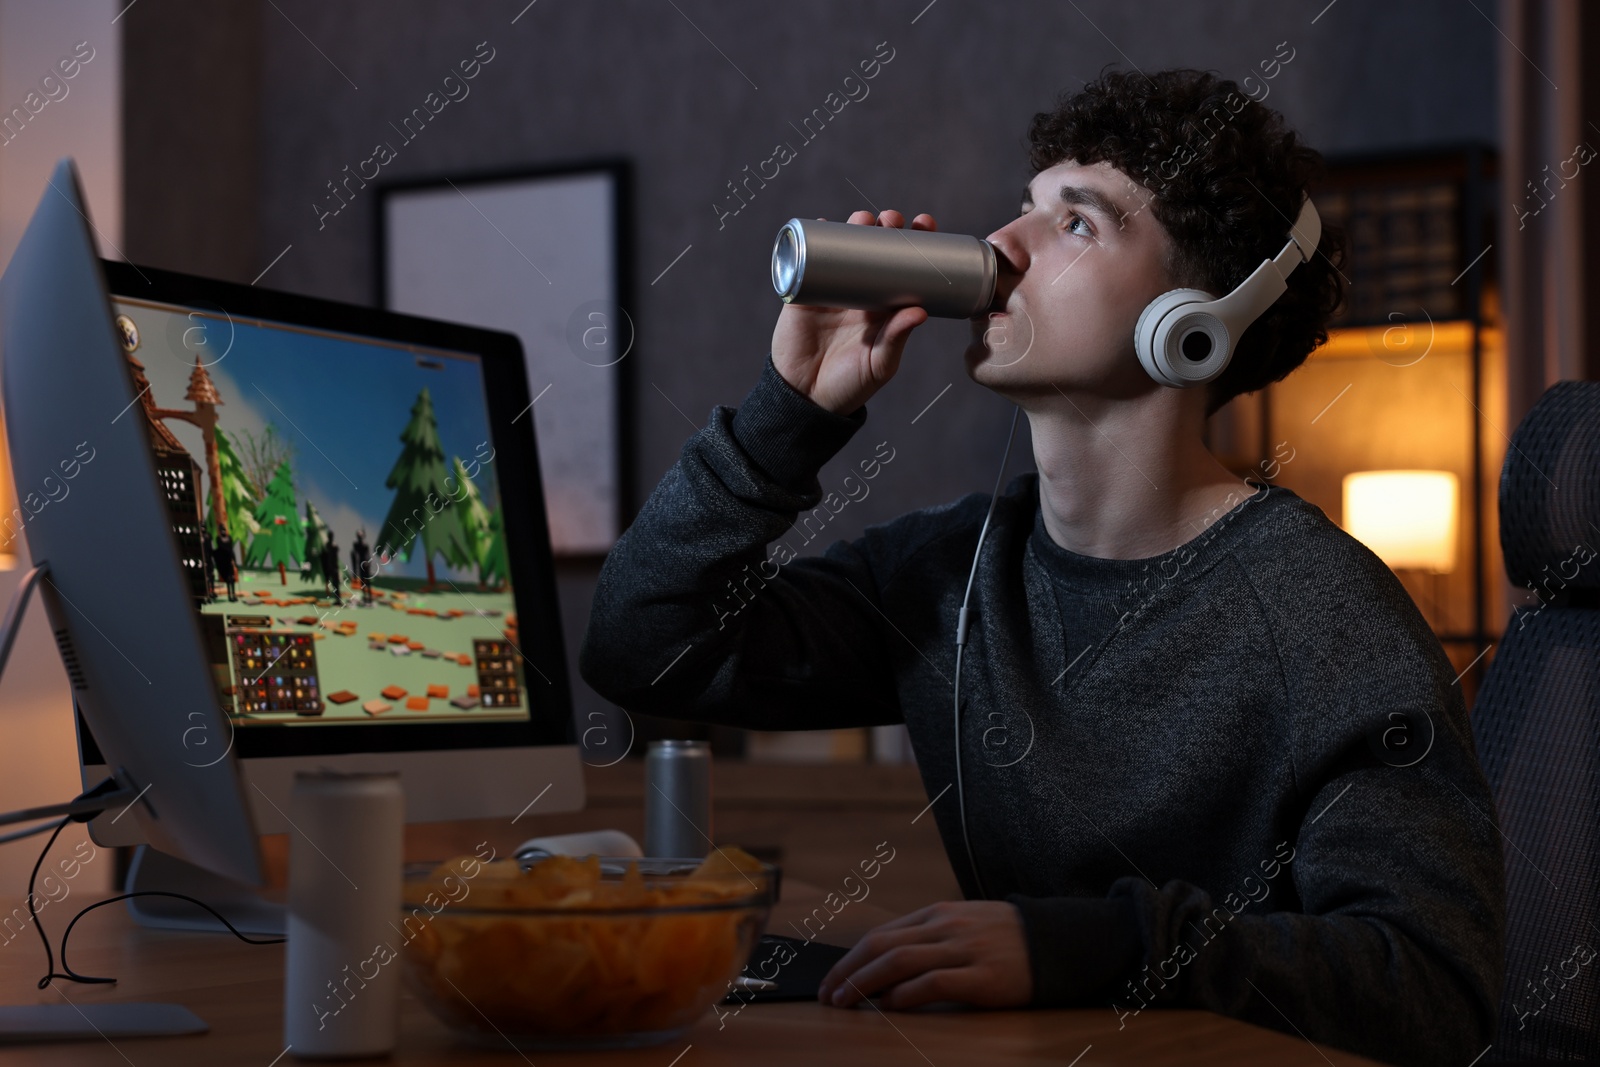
x,y
540,253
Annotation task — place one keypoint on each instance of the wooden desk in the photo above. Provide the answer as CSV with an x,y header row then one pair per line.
x,y
238,990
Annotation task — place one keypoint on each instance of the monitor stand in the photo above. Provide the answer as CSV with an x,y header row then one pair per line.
x,y
244,905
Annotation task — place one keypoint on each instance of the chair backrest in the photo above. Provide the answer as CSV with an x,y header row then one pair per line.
x,y
1536,723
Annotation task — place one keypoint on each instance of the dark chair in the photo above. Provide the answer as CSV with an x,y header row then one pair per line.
x,y
1536,723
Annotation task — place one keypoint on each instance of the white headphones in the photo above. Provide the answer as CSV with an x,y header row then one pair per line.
x,y
1186,336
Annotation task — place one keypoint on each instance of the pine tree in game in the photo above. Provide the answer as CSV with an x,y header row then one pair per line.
x,y
422,506
493,569
239,494
474,516
282,533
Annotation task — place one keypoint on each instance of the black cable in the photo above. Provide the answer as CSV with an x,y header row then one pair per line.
x,y
33,914
83,807
72,975
49,959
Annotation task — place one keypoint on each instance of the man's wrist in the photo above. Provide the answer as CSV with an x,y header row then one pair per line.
x,y
786,433
809,389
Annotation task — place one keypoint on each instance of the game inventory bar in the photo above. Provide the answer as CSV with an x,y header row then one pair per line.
x,y
497,673
278,675
276,672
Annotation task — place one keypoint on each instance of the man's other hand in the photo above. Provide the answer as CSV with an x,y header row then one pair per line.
x,y
969,951
838,357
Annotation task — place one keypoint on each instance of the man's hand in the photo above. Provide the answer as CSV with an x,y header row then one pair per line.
x,y
969,951
839,358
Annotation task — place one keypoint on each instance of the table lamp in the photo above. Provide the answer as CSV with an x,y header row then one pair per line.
x,y
1407,517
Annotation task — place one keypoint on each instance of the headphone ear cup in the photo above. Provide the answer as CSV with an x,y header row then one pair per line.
x,y
1180,344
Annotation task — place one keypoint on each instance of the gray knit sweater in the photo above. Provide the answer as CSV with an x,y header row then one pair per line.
x,y
1250,788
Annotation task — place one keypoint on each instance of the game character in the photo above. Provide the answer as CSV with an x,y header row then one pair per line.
x,y
361,564
309,558
222,559
330,567
208,569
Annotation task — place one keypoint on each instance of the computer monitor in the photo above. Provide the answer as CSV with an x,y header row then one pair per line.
x,y
321,423
177,690
105,563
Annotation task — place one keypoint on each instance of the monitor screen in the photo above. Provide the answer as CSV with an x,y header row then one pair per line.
x,y
339,518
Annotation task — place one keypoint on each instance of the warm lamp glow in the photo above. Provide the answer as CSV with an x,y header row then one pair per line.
x,y
1407,517
9,531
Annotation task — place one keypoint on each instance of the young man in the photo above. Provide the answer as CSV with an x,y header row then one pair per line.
x,y
1210,754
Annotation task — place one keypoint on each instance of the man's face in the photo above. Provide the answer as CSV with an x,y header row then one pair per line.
x,y
1077,266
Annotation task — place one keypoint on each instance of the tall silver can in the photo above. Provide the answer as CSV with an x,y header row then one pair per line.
x,y
837,264
342,974
677,798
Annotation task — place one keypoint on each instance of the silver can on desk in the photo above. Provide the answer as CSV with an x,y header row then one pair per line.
x,y
677,798
341,975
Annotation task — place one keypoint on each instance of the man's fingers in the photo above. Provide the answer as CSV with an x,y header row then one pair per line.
x,y
912,918
928,988
970,952
892,218
878,940
863,952
898,965
887,349
901,323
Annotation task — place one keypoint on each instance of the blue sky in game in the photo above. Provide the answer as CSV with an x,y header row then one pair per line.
x,y
341,402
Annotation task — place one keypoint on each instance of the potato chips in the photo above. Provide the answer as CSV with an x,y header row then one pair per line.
x,y
557,951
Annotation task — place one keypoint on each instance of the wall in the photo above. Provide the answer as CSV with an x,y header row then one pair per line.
x,y
190,118
693,92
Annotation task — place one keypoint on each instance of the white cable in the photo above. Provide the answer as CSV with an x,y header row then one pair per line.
x,y
961,642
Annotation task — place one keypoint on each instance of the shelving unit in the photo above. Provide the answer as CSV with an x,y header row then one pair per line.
x,y
1412,373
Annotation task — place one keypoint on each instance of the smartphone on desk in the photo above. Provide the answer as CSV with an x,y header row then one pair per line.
x,y
792,967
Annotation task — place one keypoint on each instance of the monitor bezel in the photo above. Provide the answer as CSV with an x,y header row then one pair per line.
x,y
516,464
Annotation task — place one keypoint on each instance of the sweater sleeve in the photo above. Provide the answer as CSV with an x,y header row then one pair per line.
x,y
1395,953
693,617
1385,959
1387,934
1080,949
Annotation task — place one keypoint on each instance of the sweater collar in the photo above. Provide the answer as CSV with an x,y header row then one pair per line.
x,y
1096,576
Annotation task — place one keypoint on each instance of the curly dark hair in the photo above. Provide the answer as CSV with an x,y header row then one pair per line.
x,y
1227,176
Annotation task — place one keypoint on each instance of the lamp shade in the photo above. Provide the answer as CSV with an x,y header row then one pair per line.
x,y
1407,517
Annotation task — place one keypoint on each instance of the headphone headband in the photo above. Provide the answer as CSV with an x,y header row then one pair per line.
x,y
1187,336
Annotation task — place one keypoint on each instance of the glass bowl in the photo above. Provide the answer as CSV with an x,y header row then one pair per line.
x,y
562,953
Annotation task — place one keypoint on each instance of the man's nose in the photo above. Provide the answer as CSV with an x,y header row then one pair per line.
x,y
1011,261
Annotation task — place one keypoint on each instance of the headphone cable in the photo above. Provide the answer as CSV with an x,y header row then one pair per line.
x,y
961,641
